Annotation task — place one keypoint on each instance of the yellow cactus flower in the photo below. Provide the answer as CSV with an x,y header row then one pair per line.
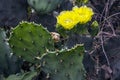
x,y
67,19
85,13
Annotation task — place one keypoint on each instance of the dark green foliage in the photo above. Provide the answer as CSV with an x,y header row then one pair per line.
x,y
44,6
30,41
65,64
78,29
81,29
8,63
62,31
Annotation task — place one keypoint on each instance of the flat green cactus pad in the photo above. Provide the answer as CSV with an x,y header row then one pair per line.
x,y
64,65
30,41
24,76
44,6
4,51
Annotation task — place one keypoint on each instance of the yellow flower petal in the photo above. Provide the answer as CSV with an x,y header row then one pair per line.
x,y
85,13
67,19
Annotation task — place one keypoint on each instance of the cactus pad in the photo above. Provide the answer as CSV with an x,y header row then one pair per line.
x,y
64,65
4,51
30,41
23,76
44,6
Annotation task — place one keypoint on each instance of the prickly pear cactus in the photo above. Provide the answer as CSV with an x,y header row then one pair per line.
x,y
30,41
4,51
64,65
23,76
8,63
44,6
